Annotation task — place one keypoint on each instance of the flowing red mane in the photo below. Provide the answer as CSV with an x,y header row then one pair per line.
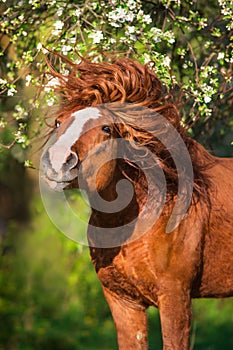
x,y
123,80
127,81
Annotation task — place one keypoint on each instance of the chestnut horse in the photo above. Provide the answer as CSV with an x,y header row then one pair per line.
x,y
124,100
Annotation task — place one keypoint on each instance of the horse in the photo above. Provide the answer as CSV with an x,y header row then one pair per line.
x,y
118,126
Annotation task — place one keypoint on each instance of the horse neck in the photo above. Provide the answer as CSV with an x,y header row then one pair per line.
x,y
128,191
133,191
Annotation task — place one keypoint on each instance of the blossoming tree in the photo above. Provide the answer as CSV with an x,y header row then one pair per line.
x,y
189,42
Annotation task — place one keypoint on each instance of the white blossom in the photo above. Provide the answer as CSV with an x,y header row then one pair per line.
x,y
51,84
96,36
44,50
146,19
132,4
28,79
131,29
3,81
65,49
129,17
56,32
119,16
226,8
156,34
147,58
20,138
65,72
60,11
203,22
208,112
167,61
11,91
39,46
112,41
123,39
169,36
58,25
19,108
3,123
207,99
72,40
220,56
140,14
50,101
77,13
20,112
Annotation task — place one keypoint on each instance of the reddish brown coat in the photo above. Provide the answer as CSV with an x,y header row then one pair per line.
x,y
162,269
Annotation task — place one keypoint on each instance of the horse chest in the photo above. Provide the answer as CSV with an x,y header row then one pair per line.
x,y
130,281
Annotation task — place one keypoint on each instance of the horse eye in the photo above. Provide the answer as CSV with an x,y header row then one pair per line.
x,y
57,124
106,129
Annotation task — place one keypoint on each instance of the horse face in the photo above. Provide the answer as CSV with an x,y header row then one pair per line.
x,y
82,148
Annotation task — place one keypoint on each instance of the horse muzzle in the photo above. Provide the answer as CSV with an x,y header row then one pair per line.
x,y
59,170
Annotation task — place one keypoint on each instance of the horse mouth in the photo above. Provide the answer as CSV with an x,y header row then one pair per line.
x,y
60,186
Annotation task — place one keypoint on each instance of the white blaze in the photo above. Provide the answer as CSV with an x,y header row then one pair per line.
x,y
60,150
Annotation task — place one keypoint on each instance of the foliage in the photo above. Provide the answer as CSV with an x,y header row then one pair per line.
x,y
189,41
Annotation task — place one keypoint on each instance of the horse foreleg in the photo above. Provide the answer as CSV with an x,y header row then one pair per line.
x,y
130,321
175,315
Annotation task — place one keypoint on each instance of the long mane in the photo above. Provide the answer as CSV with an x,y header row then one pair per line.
x,y
124,80
127,81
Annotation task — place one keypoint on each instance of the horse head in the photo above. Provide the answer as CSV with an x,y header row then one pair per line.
x,y
81,144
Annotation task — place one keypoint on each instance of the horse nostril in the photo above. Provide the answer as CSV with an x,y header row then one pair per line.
x,y
71,160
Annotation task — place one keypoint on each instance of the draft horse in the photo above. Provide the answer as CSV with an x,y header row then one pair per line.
x,y
156,268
